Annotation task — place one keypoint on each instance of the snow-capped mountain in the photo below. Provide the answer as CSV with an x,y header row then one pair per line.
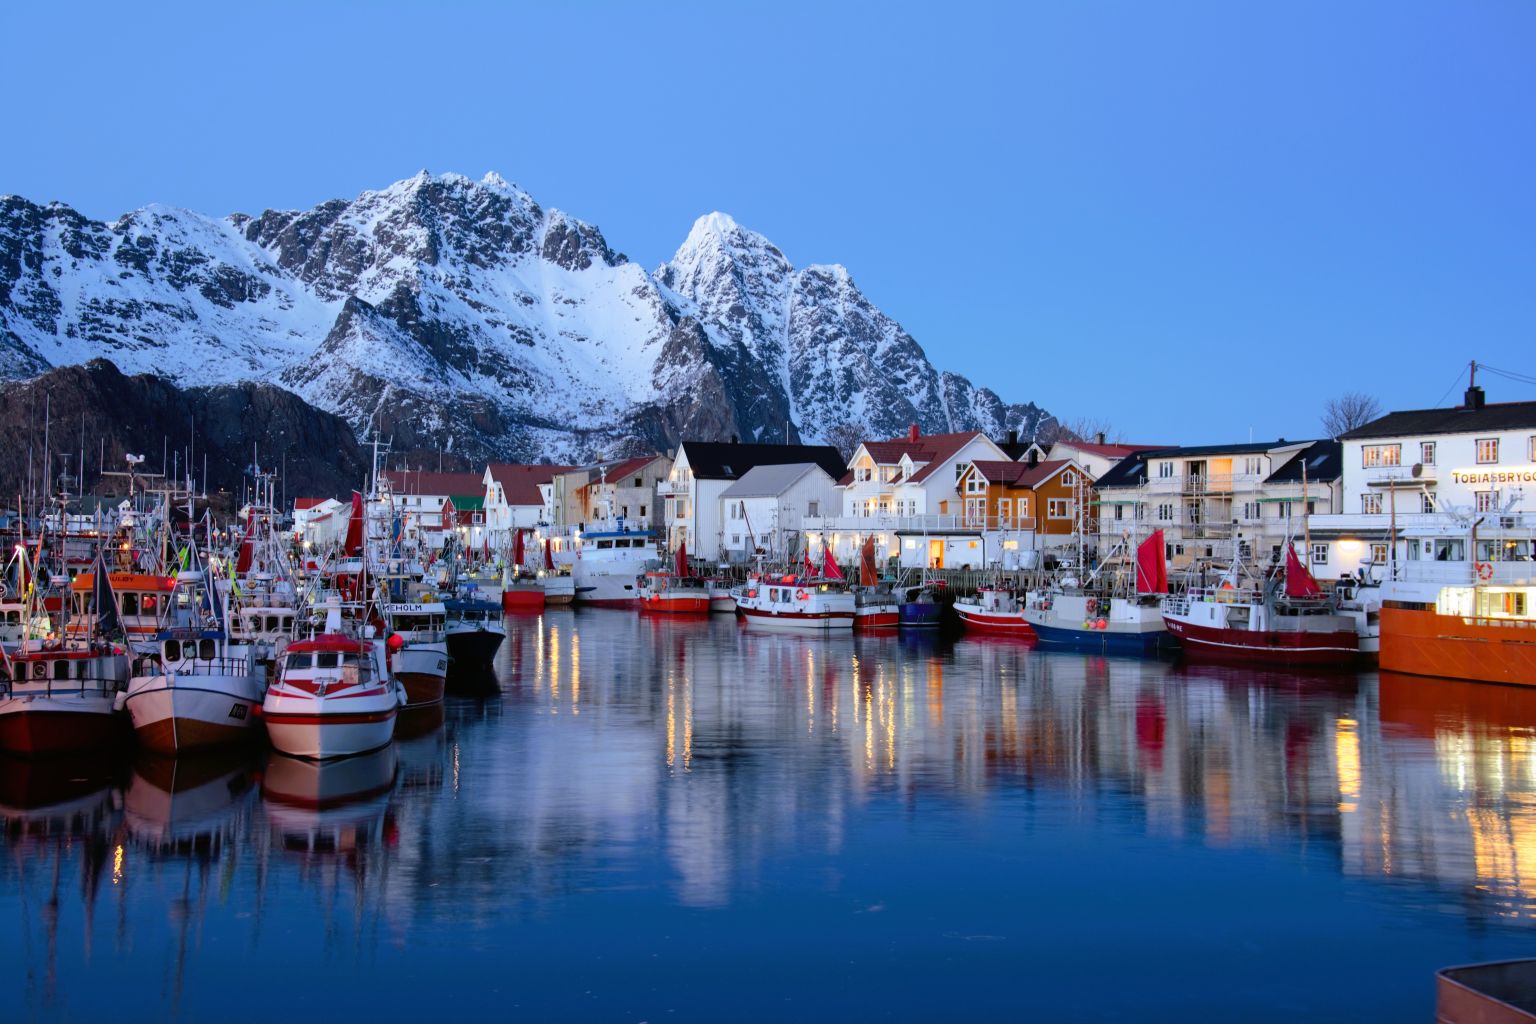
x,y
462,315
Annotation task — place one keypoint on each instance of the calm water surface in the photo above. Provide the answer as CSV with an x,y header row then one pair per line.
x,y
679,821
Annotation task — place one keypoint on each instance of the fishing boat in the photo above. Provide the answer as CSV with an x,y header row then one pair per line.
x,y
200,689
1283,620
559,588
142,605
474,633
722,595
796,604
521,590
333,696
1476,629
875,606
920,610
675,592
607,564
1103,616
60,695
995,611
418,648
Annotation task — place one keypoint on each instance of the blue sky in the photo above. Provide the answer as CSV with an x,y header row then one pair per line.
x,y
1190,220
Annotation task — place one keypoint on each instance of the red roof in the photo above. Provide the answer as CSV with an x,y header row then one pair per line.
x,y
629,466
302,503
1020,474
520,483
410,481
1112,451
924,448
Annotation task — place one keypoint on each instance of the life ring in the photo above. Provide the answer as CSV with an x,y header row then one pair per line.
x,y
1093,605
1485,571
799,595
4,590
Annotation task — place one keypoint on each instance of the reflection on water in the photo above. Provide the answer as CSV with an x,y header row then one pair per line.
x,y
647,811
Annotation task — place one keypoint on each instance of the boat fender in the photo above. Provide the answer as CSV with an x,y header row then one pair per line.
x,y
1103,624
1485,571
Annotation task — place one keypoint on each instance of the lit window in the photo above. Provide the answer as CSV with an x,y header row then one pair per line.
x,y
1370,504
1486,501
1487,451
1381,455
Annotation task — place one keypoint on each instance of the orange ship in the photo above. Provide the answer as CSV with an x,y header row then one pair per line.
x,y
1482,632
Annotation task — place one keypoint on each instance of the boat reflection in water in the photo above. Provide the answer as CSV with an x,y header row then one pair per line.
x,y
645,788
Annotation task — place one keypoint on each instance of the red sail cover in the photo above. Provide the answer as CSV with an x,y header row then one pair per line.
x,y
1151,566
829,567
247,548
867,576
549,557
517,547
355,526
681,569
810,570
1298,581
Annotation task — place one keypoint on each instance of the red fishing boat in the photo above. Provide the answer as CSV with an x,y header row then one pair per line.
x,y
875,606
1284,620
674,593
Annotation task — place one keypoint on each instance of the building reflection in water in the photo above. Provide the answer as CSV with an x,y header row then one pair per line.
x,y
626,754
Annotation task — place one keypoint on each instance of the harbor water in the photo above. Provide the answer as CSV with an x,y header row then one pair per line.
x,y
657,820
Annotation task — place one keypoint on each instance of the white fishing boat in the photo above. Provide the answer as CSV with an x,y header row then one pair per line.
x,y
792,604
607,564
418,645
333,696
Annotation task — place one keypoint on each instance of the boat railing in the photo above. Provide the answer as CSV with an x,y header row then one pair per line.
x,y
76,686
218,666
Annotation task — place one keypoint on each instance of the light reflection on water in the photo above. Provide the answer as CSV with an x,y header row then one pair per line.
x,y
692,820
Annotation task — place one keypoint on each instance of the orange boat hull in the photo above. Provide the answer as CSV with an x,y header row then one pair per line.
x,y
1425,643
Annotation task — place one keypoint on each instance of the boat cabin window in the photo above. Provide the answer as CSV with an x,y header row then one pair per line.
x,y
326,659
61,669
604,545
13,618
173,650
80,667
206,650
298,661
408,623
1450,550
130,604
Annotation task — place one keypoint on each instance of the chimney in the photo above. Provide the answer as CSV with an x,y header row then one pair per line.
x,y
912,433
1013,438
1474,397
1034,456
1098,438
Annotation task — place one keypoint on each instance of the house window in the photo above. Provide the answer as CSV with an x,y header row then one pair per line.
x,y
1067,479
478,518
1530,453
885,506
1320,553
1487,451
1004,511
960,468
1164,470
1427,452
624,511
886,472
1165,513
1486,501
637,483
862,474
1427,502
1119,511
813,508
975,511
1250,510
1253,465
1283,509
1381,455
974,484
642,511
1378,553
1058,508
1370,504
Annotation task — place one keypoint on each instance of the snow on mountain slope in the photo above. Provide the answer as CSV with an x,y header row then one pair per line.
x,y
461,314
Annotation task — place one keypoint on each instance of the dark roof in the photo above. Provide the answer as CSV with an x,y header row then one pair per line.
x,y
1130,471
1020,474
1460,420
715,460
1324,461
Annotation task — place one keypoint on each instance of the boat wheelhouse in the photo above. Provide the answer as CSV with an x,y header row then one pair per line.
x,y
333,697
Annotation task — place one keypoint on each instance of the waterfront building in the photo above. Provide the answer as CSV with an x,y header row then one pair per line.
x,y
1021,507
1434,483
518,496
763,513
905,492
703,470
1208,499
319,524
1096,457
433,505
622,492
